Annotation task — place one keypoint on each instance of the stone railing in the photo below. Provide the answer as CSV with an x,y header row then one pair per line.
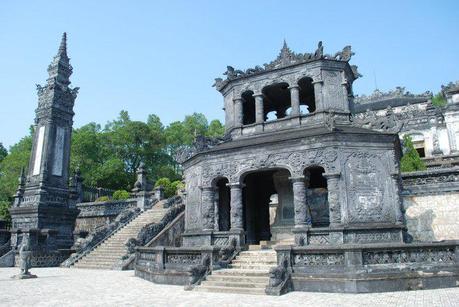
x,y
5,248
150,231
444,161
311,265
431,181
186,266
84,246
106,208
181,266
90,194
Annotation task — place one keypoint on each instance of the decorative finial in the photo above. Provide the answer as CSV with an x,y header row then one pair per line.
x,y
285,45
63,45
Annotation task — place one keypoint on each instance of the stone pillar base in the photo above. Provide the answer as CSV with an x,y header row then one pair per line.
x,y
27,275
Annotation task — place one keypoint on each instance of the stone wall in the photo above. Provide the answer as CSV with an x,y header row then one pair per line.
x,y
96,214
431,203
432,217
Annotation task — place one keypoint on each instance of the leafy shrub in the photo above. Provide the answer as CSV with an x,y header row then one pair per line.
x,y
102,199
438,100
4,213
170,188
176,186
120,195
411,161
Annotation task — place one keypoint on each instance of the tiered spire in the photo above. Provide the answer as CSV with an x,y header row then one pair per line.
x,y
60,69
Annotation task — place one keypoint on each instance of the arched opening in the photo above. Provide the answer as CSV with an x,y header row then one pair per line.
x,y
317,195
271,116
307,96
276,99
267,205
222,204
248,108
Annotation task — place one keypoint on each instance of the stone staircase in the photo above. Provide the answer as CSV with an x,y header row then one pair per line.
x,y
112,249
248,273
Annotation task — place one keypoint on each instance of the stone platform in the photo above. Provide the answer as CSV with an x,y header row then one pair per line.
x,y
115,288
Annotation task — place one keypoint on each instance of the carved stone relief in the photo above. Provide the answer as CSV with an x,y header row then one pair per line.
x,y
366,188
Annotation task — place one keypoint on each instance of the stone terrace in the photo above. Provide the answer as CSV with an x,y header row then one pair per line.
x,y
58,287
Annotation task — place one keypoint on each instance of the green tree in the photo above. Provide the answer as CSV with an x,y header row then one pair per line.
x,y
195,124
10,169
3,152
410,161
438,100
120,195
216,129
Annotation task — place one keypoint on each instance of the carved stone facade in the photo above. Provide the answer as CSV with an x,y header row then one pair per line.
x,y
329,175
434,129
342,174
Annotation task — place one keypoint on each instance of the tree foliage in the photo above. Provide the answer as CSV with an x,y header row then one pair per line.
x,y
120,195
439,100
109,156
411,161
10,169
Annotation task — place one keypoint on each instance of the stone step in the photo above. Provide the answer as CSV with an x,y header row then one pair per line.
x,y
234,284
99,263
254,261
107,254
113,248
251,267
116,248
258,254
91,266
241,272
254,291
100,259
238,278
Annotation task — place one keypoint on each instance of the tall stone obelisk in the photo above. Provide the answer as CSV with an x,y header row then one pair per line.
x,y
41,208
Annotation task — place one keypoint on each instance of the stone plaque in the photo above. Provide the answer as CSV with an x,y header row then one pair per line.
x,y
58,151
39,151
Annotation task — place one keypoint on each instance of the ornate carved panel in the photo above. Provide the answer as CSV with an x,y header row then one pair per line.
x,y
318,259
429,255
183,259
367,183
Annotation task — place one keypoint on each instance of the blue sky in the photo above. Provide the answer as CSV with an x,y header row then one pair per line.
x,y
161,57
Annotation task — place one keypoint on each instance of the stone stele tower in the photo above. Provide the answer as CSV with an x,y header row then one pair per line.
x,y
41,207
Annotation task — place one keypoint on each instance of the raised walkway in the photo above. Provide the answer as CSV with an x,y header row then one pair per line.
x,y
85,287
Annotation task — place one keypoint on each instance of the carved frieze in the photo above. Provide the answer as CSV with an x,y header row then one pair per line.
x,y
324,259
428,255
319,239
184,259
295,162
372,237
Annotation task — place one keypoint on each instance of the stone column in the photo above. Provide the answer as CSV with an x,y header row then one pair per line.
x,y
302,212
334,206
399,215
207,208
237,221
238,112
295,100
318,95
259,112
216,209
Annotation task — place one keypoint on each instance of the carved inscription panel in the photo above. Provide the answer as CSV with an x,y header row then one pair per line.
x,y
58,152
39,151
367,188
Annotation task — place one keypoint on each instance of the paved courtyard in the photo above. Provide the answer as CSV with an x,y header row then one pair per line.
x,y
80,287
